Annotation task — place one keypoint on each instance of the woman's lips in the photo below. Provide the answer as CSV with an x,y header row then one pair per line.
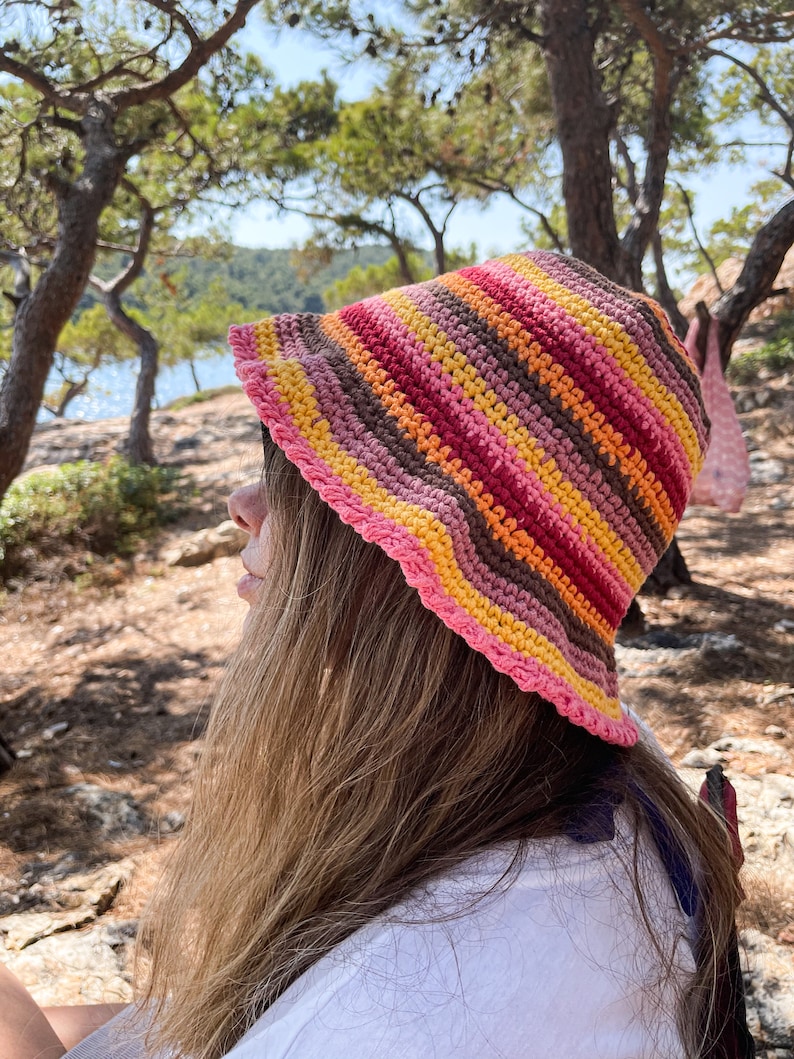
x,y
248,587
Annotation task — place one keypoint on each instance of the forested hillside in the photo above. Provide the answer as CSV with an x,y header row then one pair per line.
x,y
266,281
277,281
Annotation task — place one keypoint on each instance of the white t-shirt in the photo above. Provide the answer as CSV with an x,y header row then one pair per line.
x,y
555,961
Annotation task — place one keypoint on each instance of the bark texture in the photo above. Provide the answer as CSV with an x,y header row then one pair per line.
x,y
757,278
583,123
138,448
41,315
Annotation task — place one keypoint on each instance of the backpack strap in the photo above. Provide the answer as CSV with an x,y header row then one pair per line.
x,y
735,1040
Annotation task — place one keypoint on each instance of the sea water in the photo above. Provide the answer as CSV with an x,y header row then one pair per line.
x,y
111,388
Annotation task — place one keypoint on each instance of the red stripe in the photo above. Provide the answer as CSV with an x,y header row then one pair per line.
x,y
448,415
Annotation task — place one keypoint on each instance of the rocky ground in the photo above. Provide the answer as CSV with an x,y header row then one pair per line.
x,y
107,679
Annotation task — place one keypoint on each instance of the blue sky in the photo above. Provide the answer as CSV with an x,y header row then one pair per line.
x,y
295,55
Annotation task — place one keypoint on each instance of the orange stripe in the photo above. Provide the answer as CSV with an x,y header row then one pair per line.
x,y
419,428
562,386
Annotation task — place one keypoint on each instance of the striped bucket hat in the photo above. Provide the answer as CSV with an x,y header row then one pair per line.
x,y
521,436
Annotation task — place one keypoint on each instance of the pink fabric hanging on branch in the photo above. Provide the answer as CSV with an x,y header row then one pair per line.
x,y
723,480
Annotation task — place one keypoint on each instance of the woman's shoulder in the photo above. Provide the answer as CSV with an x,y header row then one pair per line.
x,y
473,964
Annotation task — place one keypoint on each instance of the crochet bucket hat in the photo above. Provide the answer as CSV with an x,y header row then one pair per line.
x,y
521,436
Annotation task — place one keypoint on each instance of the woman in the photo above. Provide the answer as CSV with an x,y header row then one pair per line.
x,y
423,823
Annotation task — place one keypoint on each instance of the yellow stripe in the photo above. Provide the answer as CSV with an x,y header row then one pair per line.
x,y
416,426
619,344
586,519
631,462
297,393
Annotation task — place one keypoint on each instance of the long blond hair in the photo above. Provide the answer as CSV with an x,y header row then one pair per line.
x,y
357,748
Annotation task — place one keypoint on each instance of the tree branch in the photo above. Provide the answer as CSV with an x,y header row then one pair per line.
x,y
756,280
664,292
58,121
765,93
746,33
179,17
661,47
130,273
704,252
651,192
37,80
489,184
631,169
200,52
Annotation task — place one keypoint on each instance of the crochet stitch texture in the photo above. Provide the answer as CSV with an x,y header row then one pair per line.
x,y
521,436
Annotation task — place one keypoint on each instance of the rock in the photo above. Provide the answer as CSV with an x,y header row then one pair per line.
x,y
27,928
766,471
662,652
55,729
751,746
97,889
190,442
706,289
769,985
114,813
701,759
206,545
89,967
775,731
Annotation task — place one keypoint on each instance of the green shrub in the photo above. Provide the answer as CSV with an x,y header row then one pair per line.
x,y
776,355
105,508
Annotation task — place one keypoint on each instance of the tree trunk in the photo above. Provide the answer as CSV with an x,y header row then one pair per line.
x,y
756,279
41,316
194,373
664,293
7,755
139,443
68,394
583,124
670,570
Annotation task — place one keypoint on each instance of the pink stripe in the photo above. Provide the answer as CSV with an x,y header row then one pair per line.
x,y
450,411
620,306
339,410
397,542
557,442
593,369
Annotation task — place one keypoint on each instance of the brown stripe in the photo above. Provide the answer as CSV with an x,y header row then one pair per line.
x,y
678,363
490,550
556,412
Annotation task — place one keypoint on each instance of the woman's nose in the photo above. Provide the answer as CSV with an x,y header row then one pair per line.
x,y
247,508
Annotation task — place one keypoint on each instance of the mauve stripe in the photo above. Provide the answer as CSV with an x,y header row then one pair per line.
x,y
386,337
383,531
550,408
674,369
526,407
510,569
453,413
337,408
639,421
639,320
645,330
598,374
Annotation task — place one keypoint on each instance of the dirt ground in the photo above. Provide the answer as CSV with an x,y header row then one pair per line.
x,y
107,679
